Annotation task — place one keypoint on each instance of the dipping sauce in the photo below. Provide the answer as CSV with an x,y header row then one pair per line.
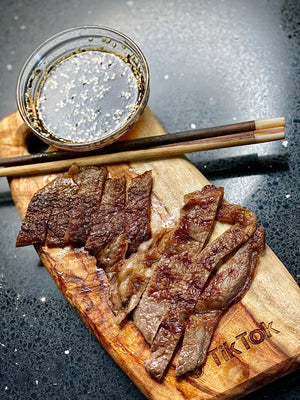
x,y
86,96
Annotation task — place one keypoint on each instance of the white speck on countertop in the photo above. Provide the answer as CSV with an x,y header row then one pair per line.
x,y
130,3
285,143
166,76
16,350
287,196
2,344
43,299
36,382
234,118
6,388
67,351
9,67
193,126
16,17
22,27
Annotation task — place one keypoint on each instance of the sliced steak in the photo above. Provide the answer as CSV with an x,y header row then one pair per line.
x,y
195,222
133,276
226,287
34,227
137,211
235,214
108,222
179,249
111,254
183,298
91,181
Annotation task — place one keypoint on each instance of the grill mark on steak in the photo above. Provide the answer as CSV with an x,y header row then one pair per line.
x,y
133,276
195,222
184,298
110,255
42,205
60,214
226,287
235,214
137,211
67,198
91,181
107,224
179,248
34,226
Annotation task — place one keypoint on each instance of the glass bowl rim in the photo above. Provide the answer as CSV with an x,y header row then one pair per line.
x,y
114,134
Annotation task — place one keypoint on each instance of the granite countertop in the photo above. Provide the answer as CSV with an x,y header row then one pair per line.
x,y
211,63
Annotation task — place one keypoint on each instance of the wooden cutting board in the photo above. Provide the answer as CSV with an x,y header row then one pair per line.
x,y
257,341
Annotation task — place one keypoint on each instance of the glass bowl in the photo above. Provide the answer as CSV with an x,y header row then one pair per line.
x,y
91,106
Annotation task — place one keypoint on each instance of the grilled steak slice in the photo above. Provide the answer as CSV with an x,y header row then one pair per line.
x,y
196,218
60,215
197,338
226,287
183,298
133,275
235,214
179,249
34,227
137,211
91,182
108,222
155,303
63,209
111,254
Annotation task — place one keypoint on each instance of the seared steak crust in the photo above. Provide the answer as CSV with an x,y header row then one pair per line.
x,y
35,224
137,211
226,287
91,182
183,299
133,275
179,249
107,222
174,282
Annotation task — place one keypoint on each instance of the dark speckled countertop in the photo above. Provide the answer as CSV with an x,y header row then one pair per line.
x,y
211,63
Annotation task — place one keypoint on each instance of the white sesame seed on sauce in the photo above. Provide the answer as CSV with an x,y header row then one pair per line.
x,y
86,96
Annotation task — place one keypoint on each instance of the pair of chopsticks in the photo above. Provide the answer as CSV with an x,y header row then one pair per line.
x,y
239,134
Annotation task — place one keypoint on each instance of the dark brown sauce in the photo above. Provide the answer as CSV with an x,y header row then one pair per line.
x,y
86,96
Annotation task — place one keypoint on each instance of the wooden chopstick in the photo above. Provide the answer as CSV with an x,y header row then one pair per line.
x,y
168,150
144,143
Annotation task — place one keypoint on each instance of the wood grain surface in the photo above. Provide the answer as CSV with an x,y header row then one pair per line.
x,y
257,341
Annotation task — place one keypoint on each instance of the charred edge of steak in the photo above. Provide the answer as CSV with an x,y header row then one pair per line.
x,y
227,287
137,211
183,301
35,224
108,222
91,181
177,253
